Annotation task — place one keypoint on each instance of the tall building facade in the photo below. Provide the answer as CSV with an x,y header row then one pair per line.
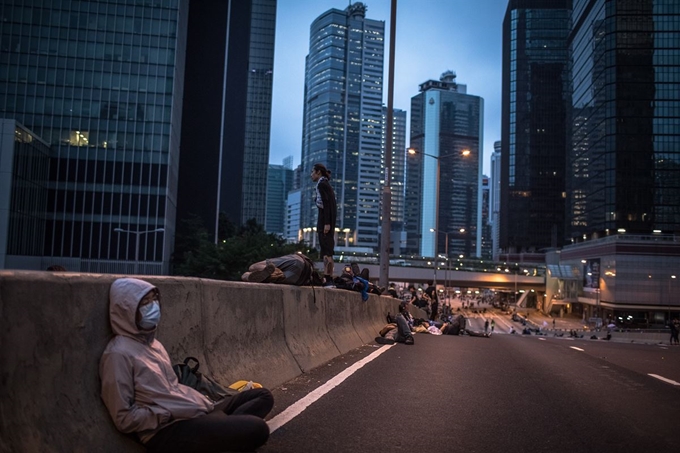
x,y
342,119
536,88
279,183
495,199
444,172
487,236
625,118
24,169
227,111
101,82
398,174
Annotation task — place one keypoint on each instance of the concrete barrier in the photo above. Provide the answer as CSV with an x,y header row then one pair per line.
x,y
55,326
53,330
339,322
305,326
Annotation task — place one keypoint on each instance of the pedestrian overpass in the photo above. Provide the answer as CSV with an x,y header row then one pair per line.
x,y
491,279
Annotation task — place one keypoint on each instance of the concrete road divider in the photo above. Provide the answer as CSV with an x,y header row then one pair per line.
x,y
339,321
53,330
305,326
55,326
243,326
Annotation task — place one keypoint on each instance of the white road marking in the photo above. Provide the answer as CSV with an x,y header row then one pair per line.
x,y
299,406
578,349
542,339
663,379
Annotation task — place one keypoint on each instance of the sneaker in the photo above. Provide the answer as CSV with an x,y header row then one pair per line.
x,y
409,340
382,340
261,275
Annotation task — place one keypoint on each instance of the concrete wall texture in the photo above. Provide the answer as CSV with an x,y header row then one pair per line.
x,y
55,326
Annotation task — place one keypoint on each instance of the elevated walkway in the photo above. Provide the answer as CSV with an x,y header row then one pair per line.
x,y
468,279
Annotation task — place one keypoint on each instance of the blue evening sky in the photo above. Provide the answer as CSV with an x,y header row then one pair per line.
x,y
433,36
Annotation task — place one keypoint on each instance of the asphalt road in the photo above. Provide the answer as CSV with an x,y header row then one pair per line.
x,y
507,393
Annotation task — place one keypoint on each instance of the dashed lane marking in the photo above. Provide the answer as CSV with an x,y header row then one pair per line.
x,y
663,379
299,406
578,349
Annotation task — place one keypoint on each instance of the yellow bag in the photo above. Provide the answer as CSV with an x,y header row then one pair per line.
x,y
245,385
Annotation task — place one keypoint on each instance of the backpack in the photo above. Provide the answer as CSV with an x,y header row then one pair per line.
x,y
190,376
297,269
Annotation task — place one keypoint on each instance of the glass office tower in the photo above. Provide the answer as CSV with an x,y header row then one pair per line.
x,y
342,122
279,183
625,118
443,175
101,82
397,183
227,111
535,97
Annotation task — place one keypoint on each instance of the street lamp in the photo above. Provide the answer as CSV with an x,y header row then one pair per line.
x,y
436,255
137,234
669,296
386,221
464,153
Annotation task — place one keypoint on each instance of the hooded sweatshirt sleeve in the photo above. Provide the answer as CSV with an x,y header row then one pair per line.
x,y
118,393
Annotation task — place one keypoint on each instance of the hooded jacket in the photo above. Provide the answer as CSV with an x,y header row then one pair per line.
x,y
139,387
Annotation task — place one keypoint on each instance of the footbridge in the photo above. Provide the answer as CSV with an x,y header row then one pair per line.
x,y
468,273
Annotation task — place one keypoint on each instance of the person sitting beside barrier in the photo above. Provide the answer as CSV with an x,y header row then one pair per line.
x,y
399,334
143,396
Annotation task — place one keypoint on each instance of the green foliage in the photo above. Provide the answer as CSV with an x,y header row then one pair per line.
x,y
196,254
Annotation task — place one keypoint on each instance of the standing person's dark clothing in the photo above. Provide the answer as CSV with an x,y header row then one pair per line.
x,y
431,291
325,224
675,326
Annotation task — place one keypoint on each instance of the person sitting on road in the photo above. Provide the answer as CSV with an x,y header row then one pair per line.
x,y
143,395
404,334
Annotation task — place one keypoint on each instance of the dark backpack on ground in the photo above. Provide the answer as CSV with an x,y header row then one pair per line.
x,y
190,376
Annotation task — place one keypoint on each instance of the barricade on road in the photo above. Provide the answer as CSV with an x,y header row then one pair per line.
x,y
55,326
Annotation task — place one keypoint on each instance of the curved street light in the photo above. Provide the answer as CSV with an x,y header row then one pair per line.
x,y
465,153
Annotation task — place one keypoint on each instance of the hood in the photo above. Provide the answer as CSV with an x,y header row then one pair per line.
x,y
124,298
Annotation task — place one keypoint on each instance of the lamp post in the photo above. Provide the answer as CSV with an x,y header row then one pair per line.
x,y
464,153
436,255
386,221
669,296
137,234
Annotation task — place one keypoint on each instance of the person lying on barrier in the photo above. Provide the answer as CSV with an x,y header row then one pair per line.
x,y
143,396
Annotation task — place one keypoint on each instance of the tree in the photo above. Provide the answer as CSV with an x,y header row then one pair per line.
x,y
198,256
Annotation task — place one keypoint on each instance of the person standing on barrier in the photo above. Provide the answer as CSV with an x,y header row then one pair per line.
x,y
325,224
143,396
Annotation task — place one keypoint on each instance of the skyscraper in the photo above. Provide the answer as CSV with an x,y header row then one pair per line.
x,y
486,230
227,111
398,174
536,89
342,122
443,176
625,118
495,198
279,183
101,82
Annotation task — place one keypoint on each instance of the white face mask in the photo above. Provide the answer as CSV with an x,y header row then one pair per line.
x,y
151,315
